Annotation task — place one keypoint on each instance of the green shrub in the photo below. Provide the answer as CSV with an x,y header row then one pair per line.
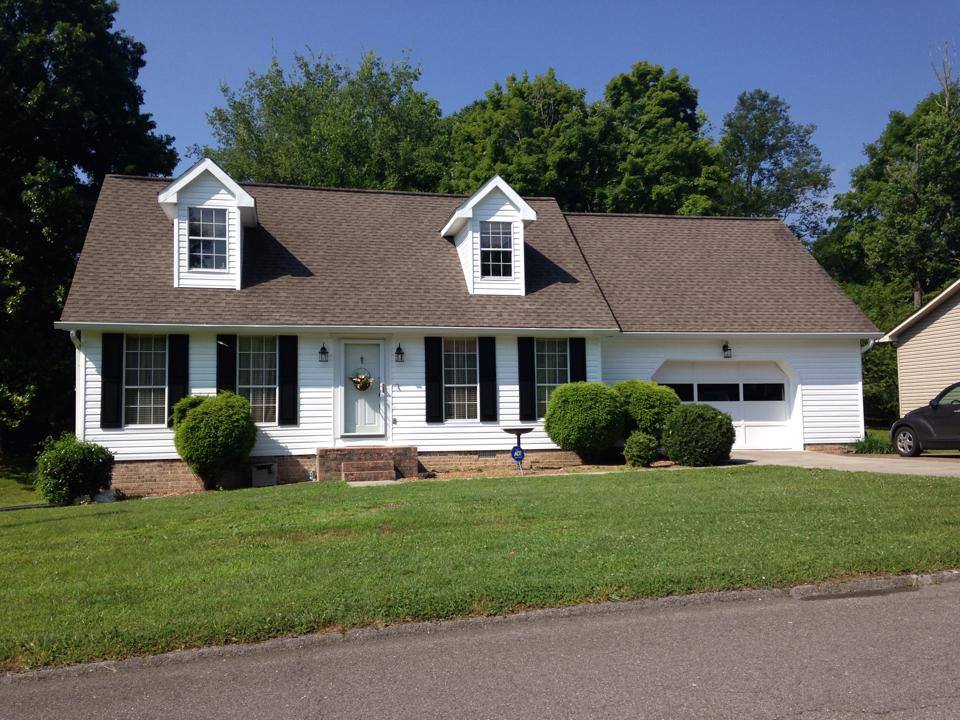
x,y
214,434
640,449
585,417
68,468
698,435
647,405
873,444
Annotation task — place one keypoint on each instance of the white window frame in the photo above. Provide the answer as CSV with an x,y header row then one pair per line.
x,y
276,378
166,381
226,241
476,386
509,225
536,367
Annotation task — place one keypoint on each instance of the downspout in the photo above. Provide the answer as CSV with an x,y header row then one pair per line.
x,y
80,388
75,338
868,346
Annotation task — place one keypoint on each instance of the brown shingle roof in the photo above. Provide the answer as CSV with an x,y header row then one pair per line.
x,y
706,274
325,257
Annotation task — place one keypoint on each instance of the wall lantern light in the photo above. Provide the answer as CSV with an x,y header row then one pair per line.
x,y
324,353
398,354
727,350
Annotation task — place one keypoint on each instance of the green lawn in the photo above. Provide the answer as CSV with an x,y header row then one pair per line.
x,y
146,576
16,486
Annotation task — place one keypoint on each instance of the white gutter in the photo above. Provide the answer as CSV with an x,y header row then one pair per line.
x,y
330,329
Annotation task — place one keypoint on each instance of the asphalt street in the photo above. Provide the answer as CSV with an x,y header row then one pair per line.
x,y
892,656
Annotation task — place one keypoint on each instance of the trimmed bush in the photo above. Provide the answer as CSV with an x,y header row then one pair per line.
x,y
68,469
214,434
647,405
640,449
585,417
698,435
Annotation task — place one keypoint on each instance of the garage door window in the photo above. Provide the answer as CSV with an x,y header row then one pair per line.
x,y
763,392
684,391
718,392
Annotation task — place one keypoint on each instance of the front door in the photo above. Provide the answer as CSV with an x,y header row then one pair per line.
x,y
362,389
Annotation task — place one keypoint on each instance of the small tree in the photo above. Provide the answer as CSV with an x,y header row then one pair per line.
x,y
68,468
585,417
213,434
698,435
647,405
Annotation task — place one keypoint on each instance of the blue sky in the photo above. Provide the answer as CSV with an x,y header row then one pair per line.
x,y
842,65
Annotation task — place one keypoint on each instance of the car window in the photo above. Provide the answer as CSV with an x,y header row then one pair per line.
x,y
952,397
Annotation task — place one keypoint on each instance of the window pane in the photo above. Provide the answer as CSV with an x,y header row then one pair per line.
x,y
257,375
683,390
207,233
763,392
145,380
718,392
551,369
460,378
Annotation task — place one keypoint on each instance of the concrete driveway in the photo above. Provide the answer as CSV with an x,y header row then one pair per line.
x,y
939,465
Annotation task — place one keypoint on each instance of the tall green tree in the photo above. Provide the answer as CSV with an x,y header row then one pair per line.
x,y
539,134
657,155
69,114
895,240
772,166
322,123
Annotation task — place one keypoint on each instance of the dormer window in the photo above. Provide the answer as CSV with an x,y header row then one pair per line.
x,y
207,238
496,249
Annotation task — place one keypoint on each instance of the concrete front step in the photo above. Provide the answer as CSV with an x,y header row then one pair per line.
x,y
366,465
369,475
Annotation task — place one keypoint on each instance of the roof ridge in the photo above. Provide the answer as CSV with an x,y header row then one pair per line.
x,y
326,188
763,218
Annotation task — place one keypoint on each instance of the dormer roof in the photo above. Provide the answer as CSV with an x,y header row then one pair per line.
x,y
168,197
464,212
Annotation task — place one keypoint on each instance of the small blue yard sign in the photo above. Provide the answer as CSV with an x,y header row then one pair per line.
x,y
517,453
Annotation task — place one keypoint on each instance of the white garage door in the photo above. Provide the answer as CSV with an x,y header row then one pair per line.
x,y
754,394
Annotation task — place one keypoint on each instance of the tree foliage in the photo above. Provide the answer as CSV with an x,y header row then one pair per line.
x,y
772,166
658,157
323,123
70,114
539,134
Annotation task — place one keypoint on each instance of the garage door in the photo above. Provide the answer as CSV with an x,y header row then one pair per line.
x,y
754,394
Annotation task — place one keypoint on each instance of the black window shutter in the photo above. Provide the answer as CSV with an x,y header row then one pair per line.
x,y
433,378
287,376
178,371
226,363
111,380
526,364
578,360
487,360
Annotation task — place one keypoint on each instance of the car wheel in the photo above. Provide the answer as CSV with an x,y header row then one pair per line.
x,y
905,440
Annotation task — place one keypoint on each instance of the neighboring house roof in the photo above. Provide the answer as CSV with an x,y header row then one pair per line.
x,y
339,258
920,314
712,274
324,257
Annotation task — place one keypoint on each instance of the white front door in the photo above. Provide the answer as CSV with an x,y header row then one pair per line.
x,y
362,389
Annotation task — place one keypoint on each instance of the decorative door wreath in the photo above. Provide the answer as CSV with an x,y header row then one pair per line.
x,y
361,379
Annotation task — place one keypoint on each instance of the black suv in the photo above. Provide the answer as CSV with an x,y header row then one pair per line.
x,y
934,427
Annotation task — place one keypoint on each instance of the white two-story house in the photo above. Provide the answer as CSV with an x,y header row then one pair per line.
x,y
362,322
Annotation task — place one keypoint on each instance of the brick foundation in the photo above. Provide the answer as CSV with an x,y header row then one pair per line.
x,y
481,460
139,478
830,448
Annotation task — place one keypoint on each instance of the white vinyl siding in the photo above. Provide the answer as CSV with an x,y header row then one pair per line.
x,y
257,375
144,379
824,393
496,208
928,356
207,192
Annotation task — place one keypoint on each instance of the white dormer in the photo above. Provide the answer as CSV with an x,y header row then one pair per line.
x,y
209,211
487,229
